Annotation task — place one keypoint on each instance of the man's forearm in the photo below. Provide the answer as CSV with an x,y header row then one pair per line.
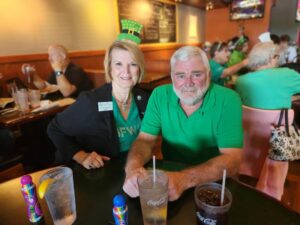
x,y
65,87
234,69
139,155
38,81
212,170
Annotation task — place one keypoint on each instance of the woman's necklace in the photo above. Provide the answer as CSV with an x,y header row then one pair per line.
x,y
124,104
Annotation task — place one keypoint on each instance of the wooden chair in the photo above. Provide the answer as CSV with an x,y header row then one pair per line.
x,y
96,76
255,162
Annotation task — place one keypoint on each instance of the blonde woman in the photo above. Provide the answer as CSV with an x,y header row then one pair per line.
x,y
105,121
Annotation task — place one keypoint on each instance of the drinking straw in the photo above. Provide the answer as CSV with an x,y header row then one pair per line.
x,y
223,186
154,169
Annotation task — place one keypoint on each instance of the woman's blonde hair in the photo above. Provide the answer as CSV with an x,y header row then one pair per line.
x,y
135,53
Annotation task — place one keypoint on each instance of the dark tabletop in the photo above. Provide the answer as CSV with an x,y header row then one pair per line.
x,y
95,189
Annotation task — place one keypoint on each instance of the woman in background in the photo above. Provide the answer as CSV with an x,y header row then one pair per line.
x,y
240,46
267,87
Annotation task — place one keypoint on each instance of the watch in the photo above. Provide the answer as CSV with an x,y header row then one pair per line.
x,y
58,73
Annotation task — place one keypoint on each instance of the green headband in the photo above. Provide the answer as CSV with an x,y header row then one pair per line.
x,y
131,30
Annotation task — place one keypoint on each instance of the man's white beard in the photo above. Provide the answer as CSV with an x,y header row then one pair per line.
x,y
192,100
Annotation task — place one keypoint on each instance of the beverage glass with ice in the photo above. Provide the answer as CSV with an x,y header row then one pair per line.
x,y
154,197
22,100
209,210
60,195
34,98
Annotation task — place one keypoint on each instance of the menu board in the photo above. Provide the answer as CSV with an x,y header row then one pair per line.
x,y
158,19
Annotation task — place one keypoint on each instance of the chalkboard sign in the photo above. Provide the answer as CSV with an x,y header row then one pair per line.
x,y
158,19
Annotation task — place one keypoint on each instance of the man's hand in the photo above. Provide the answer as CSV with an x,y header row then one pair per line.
x,y
91,160
177,185
130,185
57,65
27,69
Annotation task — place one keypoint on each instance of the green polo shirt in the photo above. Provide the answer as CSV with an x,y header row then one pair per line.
x,y
216,72
197,138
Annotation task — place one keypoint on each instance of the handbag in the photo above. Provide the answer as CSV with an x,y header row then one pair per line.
x,y
285,140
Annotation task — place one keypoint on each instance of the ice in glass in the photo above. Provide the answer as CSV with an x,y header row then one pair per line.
x,y
60,195
154,197
209,211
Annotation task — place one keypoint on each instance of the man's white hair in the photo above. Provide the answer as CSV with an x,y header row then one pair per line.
x,y
187,52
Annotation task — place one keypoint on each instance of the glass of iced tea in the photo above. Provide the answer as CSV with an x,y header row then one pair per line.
x,y
209,210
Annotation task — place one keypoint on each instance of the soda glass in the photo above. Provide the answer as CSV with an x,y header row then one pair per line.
x,y
154,197
60,195
209,211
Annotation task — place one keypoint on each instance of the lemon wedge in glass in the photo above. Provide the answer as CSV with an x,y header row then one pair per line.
x,y
43,187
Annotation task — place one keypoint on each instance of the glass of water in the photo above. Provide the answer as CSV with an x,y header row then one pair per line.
x,y
60,195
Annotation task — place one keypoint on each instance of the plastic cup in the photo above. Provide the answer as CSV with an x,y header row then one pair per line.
x,y
22,100
60,195
208,208
154,197
34,98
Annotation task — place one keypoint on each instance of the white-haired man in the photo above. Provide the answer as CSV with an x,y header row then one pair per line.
x,y
200,124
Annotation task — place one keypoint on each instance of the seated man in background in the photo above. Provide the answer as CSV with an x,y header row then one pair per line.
x,y
200,124
218,63
69,78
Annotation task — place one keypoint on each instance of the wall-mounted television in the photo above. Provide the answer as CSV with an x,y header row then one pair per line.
x,y
298,11
247,9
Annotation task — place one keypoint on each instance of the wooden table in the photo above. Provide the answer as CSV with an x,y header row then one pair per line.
x,y
17,118
95,189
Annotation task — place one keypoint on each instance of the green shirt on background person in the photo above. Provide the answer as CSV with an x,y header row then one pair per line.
x,y
216,72
197,138
269,88
235,58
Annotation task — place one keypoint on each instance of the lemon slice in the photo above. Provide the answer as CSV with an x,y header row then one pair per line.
x,y
43,187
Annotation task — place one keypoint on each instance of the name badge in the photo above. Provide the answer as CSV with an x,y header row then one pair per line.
x,y
105,106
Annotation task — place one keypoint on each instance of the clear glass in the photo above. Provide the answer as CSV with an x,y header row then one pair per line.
x,y
34,98
22,100
208,214
154,197
60,196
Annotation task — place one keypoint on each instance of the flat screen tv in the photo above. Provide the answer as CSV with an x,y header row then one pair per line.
x,y
247,9
298,11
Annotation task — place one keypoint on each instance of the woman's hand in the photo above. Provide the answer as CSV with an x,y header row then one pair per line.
x,y
90,160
